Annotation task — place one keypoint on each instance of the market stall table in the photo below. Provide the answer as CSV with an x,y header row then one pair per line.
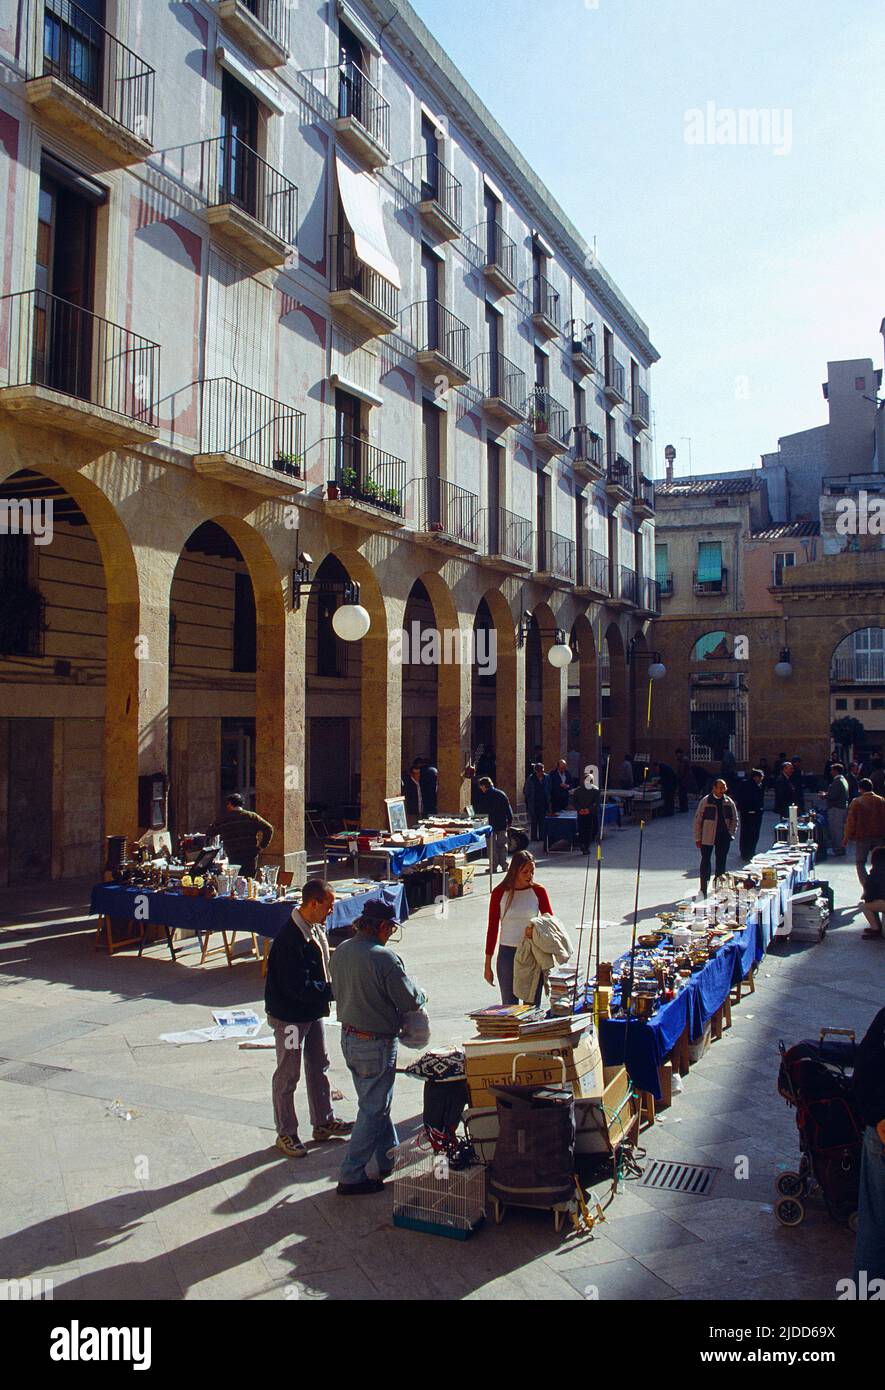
x,y
564,825
400,859
146,907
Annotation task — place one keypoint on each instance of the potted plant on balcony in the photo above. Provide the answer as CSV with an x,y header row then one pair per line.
x,y
392,501
287,463
345,485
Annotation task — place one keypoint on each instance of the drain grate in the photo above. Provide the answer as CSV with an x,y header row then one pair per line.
x,y
691,1178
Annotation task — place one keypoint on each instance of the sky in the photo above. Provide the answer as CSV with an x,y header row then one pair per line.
x,y
753,265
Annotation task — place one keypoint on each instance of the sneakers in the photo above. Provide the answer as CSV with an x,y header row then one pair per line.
x,y
335,1129
359,1189
291,1147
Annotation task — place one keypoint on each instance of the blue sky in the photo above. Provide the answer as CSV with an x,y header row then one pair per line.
x,y
751,268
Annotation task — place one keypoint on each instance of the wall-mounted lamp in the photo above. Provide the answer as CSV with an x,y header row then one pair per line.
x,y
350,620
784,666
656,668
560,654
522,631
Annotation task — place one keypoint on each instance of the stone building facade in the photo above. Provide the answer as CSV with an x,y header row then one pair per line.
x,y
284,312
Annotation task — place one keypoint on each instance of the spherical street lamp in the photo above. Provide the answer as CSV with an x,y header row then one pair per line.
x,y
560,654
351,622
657,671
784,667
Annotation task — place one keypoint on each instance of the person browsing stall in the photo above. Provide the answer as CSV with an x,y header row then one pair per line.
x,y
372,993
715,826
297,993
244,834
512,905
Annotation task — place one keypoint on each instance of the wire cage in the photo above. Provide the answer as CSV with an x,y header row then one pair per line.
x,y
430,1195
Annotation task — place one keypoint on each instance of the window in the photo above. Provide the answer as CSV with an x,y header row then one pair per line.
x,y
709,572
238,161
492,209
861,704
432,450
580,536
578,397
662,562
541,519
73,45
783,560
841,704
860,383
493,494
877,703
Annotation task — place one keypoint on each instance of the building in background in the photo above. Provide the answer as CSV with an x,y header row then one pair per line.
x,y
287,320
773,592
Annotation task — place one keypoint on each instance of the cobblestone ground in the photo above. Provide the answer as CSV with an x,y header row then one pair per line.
x,y
189,1199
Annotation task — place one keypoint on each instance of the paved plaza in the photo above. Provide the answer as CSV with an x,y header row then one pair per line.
x,y
188,1199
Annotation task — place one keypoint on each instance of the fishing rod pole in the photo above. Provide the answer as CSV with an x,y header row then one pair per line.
x,y
596,895
631,977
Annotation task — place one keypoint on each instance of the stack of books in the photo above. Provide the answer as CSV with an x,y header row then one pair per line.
x,y
503,1020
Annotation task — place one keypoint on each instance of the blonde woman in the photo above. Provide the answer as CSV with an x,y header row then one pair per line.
x,y
513,904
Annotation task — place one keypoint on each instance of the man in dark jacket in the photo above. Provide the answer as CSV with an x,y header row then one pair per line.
x,y
244,835
869,1089
784,791
496,805
537,800
297,993
561,783
836,796
751,804
586,803
429,786
413,791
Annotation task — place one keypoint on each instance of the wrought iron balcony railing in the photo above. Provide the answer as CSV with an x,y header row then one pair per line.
x,y
68,43
500,249
711,586
52,343
628,584
231,172
644,492
665,585
360,99
235,419
545,299
546,415
640,410
558,556
509,535
618,474
358,470
494,375
649,595
434,328
585,345
587,447
593,571
436,184
445,509
615,377
273,16
349,273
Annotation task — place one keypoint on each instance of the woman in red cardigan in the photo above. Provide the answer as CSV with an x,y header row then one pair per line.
x,y
513,904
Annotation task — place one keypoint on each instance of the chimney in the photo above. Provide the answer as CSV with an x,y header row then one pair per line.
x,y
670,456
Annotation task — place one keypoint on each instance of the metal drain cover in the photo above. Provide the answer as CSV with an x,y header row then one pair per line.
x,y
691,1178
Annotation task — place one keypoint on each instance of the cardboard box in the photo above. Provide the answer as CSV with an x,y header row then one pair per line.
x,y
490,1063
602,1123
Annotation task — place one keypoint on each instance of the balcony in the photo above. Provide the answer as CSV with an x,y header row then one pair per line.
x,y
618,481
643,498
502,386
648,597
259,26
359,294
556,557
711,586
442,340
665,585
250,205
500,254
508,541
87,85
363,120
64,367
545,312
587,461
439,195
639,410
593,574
549,422
625,590
365,485
862,668
447,516
615,384
249,439
583,352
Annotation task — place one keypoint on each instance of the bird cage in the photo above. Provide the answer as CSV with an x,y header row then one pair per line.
x,y
432,1196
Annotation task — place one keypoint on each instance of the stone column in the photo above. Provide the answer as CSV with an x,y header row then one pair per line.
x,y
381,714
510,768
279,731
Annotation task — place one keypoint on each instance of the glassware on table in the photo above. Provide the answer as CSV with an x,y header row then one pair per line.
x,y
270,872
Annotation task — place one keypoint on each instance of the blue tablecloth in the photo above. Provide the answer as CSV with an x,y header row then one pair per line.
x,y
417,854
649,1042
230,914
564,825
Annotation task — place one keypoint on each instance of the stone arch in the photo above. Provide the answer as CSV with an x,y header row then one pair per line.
x,y
509,678
452,689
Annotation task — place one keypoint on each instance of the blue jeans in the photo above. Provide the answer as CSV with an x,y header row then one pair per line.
x,y
372,1065
869,1252
504,963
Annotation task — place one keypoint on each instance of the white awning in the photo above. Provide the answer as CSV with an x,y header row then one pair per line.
x,y
361,200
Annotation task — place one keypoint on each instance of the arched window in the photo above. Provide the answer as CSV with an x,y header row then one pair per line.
x,y
713,646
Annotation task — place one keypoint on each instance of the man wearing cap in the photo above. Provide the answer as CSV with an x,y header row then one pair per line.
x,y
372,993
495,804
